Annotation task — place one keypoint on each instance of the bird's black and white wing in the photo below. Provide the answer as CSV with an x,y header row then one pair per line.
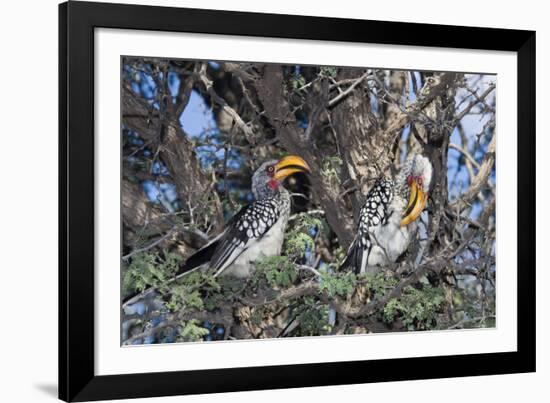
x,y
375,212
248,226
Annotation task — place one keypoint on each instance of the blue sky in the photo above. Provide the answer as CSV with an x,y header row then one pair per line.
x,y
197,118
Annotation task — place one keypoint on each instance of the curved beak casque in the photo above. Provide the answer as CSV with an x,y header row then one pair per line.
x,y
289,165
417,202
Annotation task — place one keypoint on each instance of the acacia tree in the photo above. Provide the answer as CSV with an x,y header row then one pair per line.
x,y
351,125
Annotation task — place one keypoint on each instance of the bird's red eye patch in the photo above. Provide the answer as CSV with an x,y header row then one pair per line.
x,y
270,170
419,181
410,180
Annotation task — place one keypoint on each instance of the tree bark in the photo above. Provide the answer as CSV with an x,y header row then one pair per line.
x,y
162,132
270,92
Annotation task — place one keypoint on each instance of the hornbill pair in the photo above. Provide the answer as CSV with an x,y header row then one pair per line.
x,y
385,227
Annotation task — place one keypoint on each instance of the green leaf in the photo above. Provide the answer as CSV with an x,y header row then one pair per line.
x,y
278,272
191,331
337,284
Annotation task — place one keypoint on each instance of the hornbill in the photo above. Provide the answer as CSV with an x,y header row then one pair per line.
x,y
387,220
257,230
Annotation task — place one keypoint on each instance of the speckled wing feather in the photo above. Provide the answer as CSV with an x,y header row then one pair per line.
x,y
249,225
374,212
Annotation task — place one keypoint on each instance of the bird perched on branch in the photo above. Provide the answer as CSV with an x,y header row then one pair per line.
x,y
257,230
387,219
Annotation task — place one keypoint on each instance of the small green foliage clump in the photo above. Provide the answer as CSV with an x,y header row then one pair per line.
x,y
275,271
337,284
297,238
148,269
416,308
313,318
297,243
305,220
297,80
198,290
328,71
339,254
379,284
191,331
182,296
257,317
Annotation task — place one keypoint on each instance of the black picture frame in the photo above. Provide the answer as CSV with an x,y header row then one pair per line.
x,y
77,21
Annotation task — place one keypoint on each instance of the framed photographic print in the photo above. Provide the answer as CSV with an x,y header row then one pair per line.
x,y
258,201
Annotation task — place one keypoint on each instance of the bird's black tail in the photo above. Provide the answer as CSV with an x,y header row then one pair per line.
x,y
353,258
197,259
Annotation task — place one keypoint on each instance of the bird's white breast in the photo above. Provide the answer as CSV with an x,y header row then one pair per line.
x,y
390,240
269,245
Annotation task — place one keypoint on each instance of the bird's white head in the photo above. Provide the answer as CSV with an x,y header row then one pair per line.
x,y
417,174
421,172
267,179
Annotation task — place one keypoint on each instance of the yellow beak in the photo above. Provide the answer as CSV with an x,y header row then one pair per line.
x,y
289,165
417,202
